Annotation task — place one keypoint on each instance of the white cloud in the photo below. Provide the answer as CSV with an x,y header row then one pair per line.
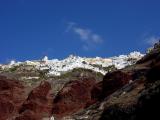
x,y
152,40
70,26
96,38
87,36
84,34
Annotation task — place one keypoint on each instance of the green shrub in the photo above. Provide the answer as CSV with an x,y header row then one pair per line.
x,y
110,68
43,73
13,69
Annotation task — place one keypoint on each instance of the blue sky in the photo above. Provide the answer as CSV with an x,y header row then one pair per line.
x,y
30,29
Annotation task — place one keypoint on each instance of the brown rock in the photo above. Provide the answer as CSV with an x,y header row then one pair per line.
x,y
153,73
6,108
28,115
96,92
38,103
114,81
74,96
40,93
11,97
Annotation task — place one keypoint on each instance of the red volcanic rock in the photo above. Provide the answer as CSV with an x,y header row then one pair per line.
x,y
38,103
28,115
11,97
6,108
111,82
96,92
40,93
74,96
114,81
15,102
8,84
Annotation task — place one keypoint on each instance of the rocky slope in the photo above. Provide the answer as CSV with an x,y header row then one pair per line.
x,y
131,93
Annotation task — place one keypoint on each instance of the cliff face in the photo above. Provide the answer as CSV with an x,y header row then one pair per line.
x,y
38,104
19,103
12,95
131,93
74,96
